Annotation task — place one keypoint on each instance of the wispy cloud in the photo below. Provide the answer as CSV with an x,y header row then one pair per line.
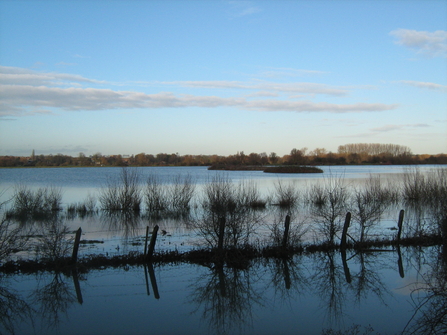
x,y
309,88
16,99
23,91
393,127
432,44
243,8
425,85
21,76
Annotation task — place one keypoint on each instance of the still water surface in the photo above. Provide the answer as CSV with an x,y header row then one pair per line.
x,y
393,292
306,295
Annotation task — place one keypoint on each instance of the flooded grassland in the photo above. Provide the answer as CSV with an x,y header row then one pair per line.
x,y
237,252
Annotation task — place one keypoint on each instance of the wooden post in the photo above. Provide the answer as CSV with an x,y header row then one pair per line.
x,y
147,280
345,265
153,281
145,241
345,231
399,224
221,234
286,232
74,256
399,263
152,244
74,273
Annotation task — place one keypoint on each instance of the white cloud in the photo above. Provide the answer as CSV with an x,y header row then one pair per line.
x,y
420,84
16,99
392,127
24,92
309,88
433,44
20,76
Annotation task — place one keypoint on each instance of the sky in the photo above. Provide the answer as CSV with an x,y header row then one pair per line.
x,y
220,77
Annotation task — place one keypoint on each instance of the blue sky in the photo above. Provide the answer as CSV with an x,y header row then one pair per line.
x,y
217,77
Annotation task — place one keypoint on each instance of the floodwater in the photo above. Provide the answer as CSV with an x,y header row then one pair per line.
x,y
391,291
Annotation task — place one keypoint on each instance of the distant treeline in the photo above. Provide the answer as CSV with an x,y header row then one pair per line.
x,y
357,153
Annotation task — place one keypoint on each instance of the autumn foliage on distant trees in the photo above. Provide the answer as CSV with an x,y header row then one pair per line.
x,y
356,153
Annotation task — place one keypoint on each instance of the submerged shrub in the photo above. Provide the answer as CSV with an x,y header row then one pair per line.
x,y
87,207
123,194
329,214
13,237
54,239
173,197
37,203
295,233
285,195
367,205
226,216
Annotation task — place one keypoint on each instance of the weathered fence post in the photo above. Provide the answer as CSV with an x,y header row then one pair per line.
x,y
286,231
399,224
152,244
145,242
345,231
74,256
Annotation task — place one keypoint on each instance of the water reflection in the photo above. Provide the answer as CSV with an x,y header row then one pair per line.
x,y
430,309
13,309
328,290
226,298
53,300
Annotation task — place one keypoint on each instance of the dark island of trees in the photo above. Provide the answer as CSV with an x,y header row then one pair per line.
x,y
349,154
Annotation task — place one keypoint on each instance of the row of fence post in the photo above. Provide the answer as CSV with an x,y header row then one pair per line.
x,y
148,252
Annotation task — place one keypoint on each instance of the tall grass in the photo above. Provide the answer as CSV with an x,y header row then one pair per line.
x,y
122,194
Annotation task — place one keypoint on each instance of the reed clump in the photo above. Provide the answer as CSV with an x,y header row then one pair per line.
x,y
285,195
122,194
170,198
36,204
83,208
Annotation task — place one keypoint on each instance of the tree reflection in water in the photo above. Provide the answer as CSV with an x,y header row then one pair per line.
x,y
287,278
329,283
430,316
13,310
226,297
53,300
367,280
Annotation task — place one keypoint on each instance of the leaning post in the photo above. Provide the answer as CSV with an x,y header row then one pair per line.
x,y
74,256
152,243
345,231
399,224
